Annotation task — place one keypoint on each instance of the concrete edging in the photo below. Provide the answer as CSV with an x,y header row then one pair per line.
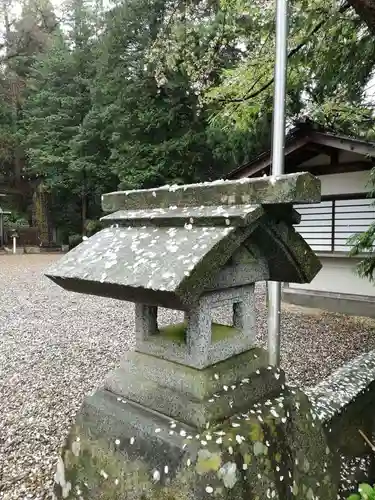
x,y
353,305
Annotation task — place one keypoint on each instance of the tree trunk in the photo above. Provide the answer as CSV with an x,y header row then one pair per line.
x,y
366,11
84,201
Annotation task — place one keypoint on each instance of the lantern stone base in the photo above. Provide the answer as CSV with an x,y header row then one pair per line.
x,y
194,396
161,431
118,450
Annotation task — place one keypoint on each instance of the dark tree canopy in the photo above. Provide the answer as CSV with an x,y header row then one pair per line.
x,y
150,92
366,11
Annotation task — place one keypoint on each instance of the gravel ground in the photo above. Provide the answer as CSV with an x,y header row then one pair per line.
x,y
55,347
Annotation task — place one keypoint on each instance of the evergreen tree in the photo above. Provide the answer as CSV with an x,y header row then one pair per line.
x,y
58,101
155,131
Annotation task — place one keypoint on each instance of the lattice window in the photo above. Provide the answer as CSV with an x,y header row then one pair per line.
x,y
328,225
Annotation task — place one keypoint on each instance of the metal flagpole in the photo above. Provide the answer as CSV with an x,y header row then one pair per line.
x,y
278,143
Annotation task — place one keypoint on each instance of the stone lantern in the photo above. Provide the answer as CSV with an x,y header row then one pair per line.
x,y
192,248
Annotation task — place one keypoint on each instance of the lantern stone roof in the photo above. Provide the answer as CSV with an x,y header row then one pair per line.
x,y
292,188
167,246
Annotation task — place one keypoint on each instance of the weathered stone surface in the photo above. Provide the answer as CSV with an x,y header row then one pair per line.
x,y
118,451
346,385
173,266
197,384
195,396
146,323
199,342
170,245
344,403
293,188
237,215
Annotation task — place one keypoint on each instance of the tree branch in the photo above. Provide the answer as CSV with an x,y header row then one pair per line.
x,y
291,53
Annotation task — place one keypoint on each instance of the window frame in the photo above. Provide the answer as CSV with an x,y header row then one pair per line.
x,y
333,222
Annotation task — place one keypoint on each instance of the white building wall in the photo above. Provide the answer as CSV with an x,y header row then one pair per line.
x,y
347,183
338,276
338,272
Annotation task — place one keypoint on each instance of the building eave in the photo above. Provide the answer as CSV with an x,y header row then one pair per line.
x,y
306,138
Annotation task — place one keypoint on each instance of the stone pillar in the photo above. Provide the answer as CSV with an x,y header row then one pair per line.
x,y
146,323
244,316
198,333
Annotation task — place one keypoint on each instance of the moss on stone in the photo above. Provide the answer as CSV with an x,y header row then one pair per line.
x,y
177,332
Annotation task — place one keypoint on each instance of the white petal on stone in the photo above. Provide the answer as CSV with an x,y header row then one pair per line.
x,y
228,474
132,440
209,489
117,441
104,474
156,476
166,469
157,431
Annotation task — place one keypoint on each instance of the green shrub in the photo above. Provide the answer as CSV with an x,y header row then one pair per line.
x,y
74,240
93,226
365,492
15,221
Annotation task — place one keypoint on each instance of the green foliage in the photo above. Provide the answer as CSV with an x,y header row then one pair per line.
x,y
7,139
164,91
365,492
364,244
74,240
325,79
58,101
93,226
153,133
15,220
